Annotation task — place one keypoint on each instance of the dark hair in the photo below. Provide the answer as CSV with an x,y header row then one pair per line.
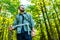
x,y
20,6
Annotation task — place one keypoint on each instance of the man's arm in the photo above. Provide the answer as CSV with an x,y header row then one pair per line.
x,y
33,32
15,23
32,22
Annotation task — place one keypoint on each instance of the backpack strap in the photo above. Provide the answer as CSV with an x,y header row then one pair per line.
x,y
28,19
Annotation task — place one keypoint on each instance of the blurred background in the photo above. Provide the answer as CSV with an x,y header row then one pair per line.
x,y
46,14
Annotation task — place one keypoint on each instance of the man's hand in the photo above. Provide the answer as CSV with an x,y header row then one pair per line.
x,y
10,28
33,32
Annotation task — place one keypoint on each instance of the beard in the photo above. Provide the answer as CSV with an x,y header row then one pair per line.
x,y
22,10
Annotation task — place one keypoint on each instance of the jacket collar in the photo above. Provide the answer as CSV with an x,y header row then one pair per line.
x,y
23,13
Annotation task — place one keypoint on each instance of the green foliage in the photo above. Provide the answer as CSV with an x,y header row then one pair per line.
x,y
46,14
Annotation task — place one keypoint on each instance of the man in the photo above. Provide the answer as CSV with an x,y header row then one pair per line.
x,y
26,25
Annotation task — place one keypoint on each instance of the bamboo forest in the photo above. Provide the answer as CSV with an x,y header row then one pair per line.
x,y
46,15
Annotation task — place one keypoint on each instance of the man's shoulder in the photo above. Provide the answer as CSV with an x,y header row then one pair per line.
x,y
28,14
17,16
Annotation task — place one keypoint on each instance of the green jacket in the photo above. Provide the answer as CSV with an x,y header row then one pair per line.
x,y
28,22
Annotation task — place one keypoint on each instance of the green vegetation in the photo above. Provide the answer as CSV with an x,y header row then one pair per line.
x,y
46,14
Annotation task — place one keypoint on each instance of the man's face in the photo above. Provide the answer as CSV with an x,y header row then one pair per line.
x,y
22,8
